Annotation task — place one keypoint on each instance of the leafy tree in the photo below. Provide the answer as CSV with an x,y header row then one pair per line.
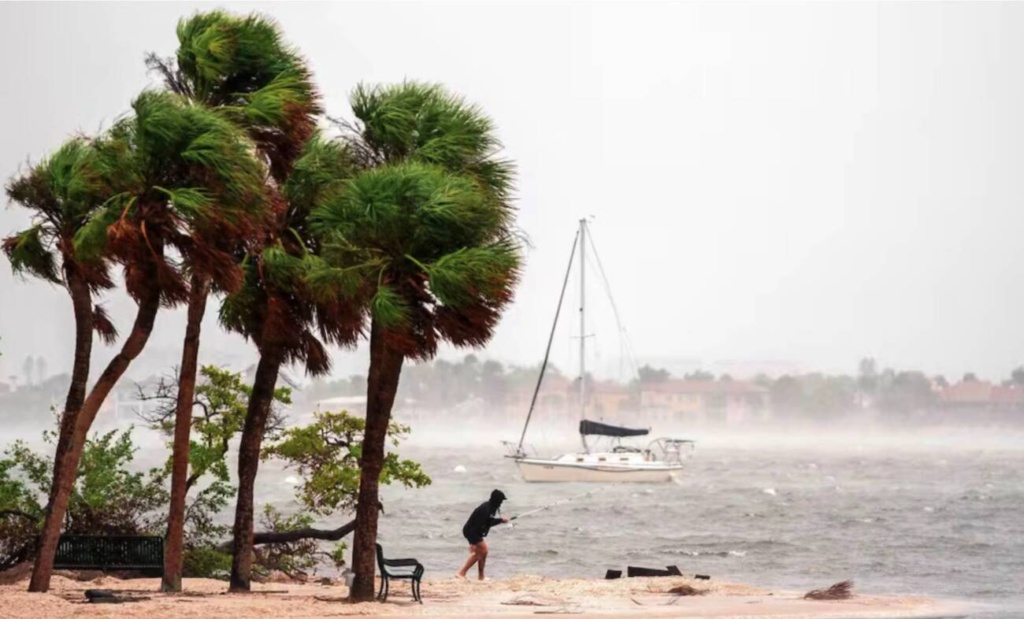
x,y
241,66
699,375
422,238
107,497
221,398
909,391
648,374
326,456
1017,376
867,377
970,377
163,168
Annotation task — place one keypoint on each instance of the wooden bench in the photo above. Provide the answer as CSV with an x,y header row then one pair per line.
x,y
399,569
111,552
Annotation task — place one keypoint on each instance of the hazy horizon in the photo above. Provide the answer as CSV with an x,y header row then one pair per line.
x,y
805,184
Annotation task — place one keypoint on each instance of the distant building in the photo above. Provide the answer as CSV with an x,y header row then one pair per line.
x,y
608,397
731,400
981,395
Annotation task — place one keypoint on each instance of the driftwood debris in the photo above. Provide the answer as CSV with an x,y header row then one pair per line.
x,y
685,589
633,572
839,591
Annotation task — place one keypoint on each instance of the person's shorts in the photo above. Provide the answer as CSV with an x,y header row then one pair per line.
x,y
473,539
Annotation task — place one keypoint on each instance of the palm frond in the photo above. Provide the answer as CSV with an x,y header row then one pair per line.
x,y
30,254
467,275
389,308
103,326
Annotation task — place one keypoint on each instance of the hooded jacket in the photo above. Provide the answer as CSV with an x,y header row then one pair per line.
x,y
483,518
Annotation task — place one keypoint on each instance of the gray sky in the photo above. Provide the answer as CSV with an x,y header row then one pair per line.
x,y
809,183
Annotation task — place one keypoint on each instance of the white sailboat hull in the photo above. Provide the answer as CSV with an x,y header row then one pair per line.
x,y
558,470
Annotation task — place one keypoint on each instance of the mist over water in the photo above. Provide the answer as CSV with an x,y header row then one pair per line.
x,y
914,510
928,511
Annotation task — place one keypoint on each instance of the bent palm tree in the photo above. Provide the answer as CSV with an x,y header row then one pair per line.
x,y
275,310
62,191
423,238
162,169
241,67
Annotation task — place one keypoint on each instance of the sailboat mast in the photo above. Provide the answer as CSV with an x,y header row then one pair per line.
x,y
583,327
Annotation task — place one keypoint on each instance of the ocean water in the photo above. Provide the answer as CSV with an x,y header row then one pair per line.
x,y
938,513
936,521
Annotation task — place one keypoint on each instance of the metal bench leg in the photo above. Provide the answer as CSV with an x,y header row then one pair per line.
x,y
416,590
380,592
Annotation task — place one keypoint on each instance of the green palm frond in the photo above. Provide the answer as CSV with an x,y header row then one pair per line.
x,y
389,308
281,268
243,66
318,174
430,215
30,254
468,275
91,239
192,202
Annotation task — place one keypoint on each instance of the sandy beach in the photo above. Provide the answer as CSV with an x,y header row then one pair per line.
x,y
521,596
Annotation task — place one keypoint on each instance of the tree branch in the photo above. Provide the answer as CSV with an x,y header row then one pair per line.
x,y
18,512
285,537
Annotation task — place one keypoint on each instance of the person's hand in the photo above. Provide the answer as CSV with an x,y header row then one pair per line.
x,y
503,519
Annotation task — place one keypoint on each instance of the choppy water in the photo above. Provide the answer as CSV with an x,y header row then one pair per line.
x,y
943,524
916,513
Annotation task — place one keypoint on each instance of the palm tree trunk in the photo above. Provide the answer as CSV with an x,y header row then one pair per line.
x,y
67,463
81,301
382,384
260,401
200,288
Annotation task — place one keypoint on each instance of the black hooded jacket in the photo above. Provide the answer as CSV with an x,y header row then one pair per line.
x,y
483,518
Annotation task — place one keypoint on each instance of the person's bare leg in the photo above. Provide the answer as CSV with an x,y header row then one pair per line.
x,y
482,546
473,557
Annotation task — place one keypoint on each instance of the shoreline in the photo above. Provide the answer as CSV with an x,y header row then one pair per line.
x,y
512,598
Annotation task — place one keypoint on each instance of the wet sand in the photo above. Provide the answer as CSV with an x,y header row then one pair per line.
x,y
513,598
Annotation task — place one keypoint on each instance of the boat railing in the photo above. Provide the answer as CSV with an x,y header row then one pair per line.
x,y
514,450
673,449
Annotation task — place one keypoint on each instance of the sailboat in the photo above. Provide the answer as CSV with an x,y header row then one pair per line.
x,y
661,460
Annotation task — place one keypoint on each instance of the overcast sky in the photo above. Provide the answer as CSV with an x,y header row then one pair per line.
x,y
805,183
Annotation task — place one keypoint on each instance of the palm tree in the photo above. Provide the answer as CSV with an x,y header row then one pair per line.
x,y
163,169
241,67
62,191
423,239
275,310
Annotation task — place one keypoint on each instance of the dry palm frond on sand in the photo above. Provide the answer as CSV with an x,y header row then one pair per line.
x,y
839,591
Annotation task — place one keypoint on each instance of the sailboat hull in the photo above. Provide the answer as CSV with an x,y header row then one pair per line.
x,y
541,470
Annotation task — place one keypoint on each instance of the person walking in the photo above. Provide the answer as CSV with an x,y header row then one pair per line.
x,y
476,528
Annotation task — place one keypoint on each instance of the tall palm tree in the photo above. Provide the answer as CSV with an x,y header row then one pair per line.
x,y
163,168
423,239
274,309
242,67
62,191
